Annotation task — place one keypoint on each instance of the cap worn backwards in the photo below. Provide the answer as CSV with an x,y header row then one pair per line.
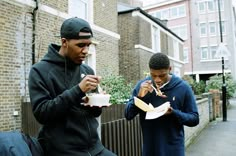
x,y
71,28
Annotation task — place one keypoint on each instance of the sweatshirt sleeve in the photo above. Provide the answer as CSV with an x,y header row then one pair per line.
x,y
188,115
46,108
131,110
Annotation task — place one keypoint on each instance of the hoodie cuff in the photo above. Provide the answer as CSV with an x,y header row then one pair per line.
x,y
177,114
76,94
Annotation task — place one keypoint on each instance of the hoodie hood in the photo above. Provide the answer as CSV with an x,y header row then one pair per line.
x,y
174,81
69,67
54,57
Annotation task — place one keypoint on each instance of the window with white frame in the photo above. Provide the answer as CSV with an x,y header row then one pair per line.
x,y
223,27
176,49
182,11
201,7
177,12
211,5
203,29
181,31
78,8
156,39
174,12
171,13
158,14
204,53
208,53
165,14
212,51
185,54
212,28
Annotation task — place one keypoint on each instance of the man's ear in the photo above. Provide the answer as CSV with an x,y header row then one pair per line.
x,y
169,69
63,42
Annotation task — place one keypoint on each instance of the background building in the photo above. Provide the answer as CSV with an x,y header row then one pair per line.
x,y
29,26
142,35
197,22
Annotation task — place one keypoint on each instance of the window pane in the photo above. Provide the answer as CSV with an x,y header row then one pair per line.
x,y
213,52
158,15
175,30
223,27
211,6
165,14
203,29
201,7
186,55
204,54
212,28
78,8
173,12
156,39
183,32
176,49
182,11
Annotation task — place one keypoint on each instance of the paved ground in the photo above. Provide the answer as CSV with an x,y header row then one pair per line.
x,y
219,138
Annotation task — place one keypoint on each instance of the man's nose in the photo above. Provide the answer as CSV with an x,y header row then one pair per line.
x,y
86,49
157,80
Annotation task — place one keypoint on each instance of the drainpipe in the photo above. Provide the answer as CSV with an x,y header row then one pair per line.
x,y
34,27
191,36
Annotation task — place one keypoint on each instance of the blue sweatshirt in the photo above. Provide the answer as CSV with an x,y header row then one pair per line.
x,y
164,136
13,144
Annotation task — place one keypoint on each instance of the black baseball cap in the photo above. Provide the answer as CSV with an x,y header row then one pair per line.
x,y
71,28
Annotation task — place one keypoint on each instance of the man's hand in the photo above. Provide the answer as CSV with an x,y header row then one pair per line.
x,y
169,110
89,82
145,88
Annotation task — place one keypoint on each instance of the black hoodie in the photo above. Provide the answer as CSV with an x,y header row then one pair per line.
x,y
69,128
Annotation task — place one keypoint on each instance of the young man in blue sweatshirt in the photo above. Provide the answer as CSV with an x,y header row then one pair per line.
x,y
57,87
164,136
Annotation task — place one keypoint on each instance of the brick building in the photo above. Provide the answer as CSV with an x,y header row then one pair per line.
x,y
29,26
141,36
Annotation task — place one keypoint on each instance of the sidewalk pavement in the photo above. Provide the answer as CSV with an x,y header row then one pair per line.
x,y
218,138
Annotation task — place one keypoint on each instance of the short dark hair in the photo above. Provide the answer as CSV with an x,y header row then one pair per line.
x,y
159,61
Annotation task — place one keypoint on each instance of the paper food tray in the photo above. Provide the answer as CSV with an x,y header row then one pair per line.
x,y
142,105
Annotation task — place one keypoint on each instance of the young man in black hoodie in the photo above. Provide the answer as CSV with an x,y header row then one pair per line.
x,y
57,87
